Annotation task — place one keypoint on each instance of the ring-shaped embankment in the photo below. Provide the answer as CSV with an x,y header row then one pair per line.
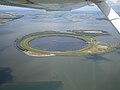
x,y
25,43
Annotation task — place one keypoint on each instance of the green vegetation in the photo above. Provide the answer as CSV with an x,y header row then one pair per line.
x,y
92,47
7,17
89,32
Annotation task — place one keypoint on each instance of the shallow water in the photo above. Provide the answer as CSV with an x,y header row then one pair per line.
x,y
92,72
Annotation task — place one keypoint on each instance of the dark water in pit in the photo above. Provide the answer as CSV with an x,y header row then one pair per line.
x,y
58,43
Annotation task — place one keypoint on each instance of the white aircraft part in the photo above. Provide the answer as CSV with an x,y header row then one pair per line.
x,y
112,16
49,5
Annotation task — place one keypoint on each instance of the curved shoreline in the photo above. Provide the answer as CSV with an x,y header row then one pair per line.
x,y
58,43
29,53
92,47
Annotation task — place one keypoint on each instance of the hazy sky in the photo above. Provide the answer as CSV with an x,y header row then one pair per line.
x,y
114,1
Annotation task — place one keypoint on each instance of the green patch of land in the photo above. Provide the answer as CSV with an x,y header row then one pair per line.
x,y
89,32
92,47
7,17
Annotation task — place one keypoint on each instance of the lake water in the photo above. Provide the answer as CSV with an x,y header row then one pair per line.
x,y
58,43
92,72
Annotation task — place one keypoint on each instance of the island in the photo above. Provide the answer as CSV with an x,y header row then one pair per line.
x,y
91,46
7,17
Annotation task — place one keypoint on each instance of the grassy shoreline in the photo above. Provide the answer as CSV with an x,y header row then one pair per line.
x,y
92,47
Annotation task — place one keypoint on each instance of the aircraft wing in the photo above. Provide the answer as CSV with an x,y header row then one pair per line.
x,y
111,15
49,5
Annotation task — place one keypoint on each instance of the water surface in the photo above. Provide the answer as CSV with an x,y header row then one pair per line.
x,y
91,72
58,43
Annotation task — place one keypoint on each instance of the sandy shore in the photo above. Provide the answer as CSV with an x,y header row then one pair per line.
x,y
29,53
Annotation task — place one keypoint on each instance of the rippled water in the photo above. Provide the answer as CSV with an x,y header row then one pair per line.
x,y
91,72
58,43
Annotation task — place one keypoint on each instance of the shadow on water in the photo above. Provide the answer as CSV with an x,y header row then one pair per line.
x,y
2,49
44,85
97,58
6,83
5,75
118,51
5,32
